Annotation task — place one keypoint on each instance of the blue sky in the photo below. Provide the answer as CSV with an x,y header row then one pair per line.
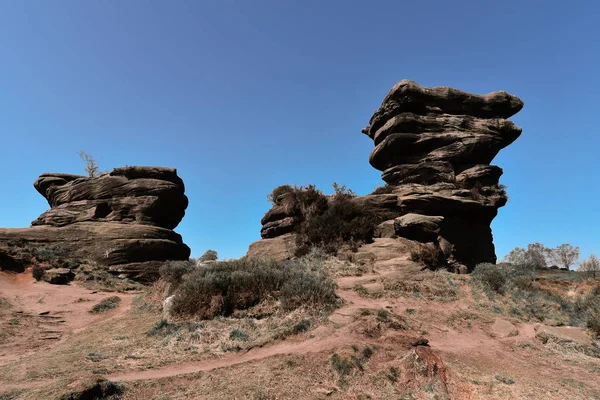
x,y
242,96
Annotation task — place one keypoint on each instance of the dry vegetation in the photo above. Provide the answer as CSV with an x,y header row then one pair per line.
x,y
328,222
321,327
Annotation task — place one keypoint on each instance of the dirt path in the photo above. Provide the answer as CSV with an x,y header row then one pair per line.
x,y
42,315
324,337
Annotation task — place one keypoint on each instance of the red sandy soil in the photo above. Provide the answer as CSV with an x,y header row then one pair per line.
x,y
471,353
47,313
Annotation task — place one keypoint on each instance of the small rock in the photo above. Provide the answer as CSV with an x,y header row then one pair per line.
x,y
385,230
419,342
503,328
44,313
168,308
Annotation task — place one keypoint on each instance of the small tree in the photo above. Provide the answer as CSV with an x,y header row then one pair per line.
x,y
91,167
564,255
209,255
534,256
591,266
342,190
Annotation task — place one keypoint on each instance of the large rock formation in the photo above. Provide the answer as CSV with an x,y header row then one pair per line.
x,y
434,147
120,221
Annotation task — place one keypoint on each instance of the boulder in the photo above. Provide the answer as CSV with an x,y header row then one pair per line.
x,y
566,335
385,230
419,227
503,328
279,248
58,276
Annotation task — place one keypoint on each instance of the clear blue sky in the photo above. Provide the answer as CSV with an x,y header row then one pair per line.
x,y
241,96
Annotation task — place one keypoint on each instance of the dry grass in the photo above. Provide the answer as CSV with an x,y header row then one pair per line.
x,y
428,285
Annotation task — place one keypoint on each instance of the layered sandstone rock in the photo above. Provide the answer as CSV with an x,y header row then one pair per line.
x,y
120,221
434,147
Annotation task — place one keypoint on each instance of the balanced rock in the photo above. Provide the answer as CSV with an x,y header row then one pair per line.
x,y
434,147
120,221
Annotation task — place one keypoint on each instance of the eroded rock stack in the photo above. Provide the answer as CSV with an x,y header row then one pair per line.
x,y
121,221
435,146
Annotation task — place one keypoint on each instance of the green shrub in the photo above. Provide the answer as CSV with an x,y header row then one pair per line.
x,y
385,189
164,328
48,253
221,288
490,276
38,271
238,334
173,271
343,221
324,221
102,389
341,365
505,379
301,326
278,191
209,255
106,304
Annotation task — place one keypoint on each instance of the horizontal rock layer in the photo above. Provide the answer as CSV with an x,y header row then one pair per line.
x,y
434,147
120,221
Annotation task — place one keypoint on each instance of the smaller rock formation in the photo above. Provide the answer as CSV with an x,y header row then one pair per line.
x,y
120,221
58,276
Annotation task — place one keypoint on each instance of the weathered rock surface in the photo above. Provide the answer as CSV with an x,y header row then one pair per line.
x,y
279,248
502,328
58,276
568,335
434,147
120,221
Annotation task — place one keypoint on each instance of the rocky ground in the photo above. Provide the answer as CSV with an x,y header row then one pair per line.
x,y
401,333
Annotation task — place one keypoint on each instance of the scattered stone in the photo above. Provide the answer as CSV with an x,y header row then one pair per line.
x,y
503,328
569,335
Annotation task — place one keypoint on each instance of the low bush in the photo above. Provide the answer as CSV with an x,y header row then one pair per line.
x,y
173,271
38,271
490,276
385,189
224,287
209,255
48,253
106,304
328,222
429,285
528,294
101,390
